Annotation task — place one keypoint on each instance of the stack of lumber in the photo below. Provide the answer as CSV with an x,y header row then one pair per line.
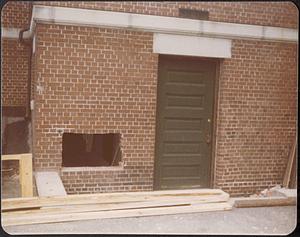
x,y
38,210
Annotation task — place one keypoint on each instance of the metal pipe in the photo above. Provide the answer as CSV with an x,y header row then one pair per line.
x,y
28,44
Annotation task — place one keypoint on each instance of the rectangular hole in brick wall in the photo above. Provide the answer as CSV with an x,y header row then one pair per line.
x,y
81,150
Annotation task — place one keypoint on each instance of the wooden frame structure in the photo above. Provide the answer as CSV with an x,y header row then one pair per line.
x,y
25,171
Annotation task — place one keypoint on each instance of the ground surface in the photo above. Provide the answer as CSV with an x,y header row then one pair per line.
x,y
266,220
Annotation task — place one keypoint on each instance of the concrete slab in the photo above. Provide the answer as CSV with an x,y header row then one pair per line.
x,y
49,184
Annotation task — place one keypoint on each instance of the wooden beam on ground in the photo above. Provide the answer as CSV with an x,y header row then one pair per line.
x,y
167,193
262,201
114,206
36,202
62,217
291,158
111,205
126,199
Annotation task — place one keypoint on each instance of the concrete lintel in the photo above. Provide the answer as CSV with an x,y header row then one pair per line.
x,y
159,24
191,46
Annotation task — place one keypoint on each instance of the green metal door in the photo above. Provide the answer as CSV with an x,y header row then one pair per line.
x,y
184,123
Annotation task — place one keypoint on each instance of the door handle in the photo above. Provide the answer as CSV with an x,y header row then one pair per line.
x,y
208,135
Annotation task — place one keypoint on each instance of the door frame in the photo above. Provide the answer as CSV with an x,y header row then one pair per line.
x,y
215,105
219,63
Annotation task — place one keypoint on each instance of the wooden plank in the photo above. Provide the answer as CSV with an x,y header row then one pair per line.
x,y
262,202
49,184
19,203
55,203
115,206
288,170
184,192
62,217
26,175
49,203
11,157
293,180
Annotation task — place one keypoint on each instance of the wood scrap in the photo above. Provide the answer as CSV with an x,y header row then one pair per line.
x,y
293,180
291,158
262,202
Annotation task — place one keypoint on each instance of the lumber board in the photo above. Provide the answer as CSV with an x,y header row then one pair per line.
x,y
291,158
62,217
116,206
11,157
138,193
25,203
293,180
26,175
54,203
263,202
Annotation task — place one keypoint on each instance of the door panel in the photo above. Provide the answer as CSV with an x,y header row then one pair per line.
x,y
184,109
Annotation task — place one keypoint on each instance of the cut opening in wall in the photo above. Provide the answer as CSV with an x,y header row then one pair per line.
x,y
81,150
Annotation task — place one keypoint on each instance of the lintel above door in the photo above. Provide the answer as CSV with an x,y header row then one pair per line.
x,y
191,45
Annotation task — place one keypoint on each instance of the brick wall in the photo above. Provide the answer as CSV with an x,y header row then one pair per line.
x,y
257,115
104,80
14,14
14,73
96,81
281,14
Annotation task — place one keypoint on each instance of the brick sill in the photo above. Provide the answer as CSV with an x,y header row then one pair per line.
x,y
91,168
